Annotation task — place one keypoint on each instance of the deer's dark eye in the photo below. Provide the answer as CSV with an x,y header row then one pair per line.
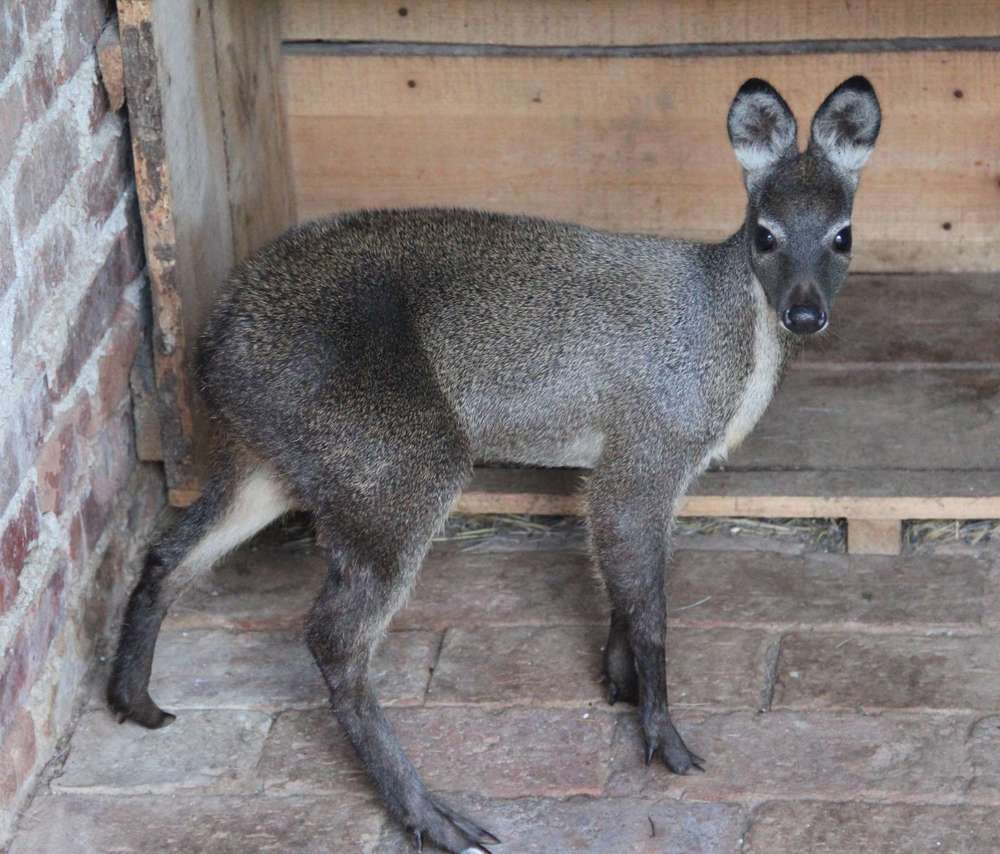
x,y
842,242
764,240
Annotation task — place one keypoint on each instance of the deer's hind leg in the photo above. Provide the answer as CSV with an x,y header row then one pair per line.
x,y
380,476
240,497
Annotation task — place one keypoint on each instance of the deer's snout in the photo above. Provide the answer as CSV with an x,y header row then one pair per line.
x,y
805,318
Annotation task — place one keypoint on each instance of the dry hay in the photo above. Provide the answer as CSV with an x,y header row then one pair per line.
x,y
924,534
487,530
295,532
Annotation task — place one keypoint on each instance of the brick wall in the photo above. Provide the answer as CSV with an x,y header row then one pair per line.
x,y
75,504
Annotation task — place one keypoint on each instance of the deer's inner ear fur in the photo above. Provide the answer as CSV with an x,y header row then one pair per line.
x,y
762,129
846,125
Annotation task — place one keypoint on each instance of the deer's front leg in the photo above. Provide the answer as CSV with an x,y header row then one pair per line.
x,y
631,515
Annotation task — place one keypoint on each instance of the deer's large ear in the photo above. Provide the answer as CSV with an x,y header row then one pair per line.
x,y
846,125
762,129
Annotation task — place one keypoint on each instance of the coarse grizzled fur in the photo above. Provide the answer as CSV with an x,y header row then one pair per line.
x,y
358,366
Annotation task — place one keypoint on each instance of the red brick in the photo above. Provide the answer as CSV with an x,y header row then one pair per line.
x,y
21,444
35,13
984,747
75,824
49,269
31,644
498,752
519,664
8,260
12,120
828,755
214,669
106,180
57,467
41,81
826,670
99,106
112,459
19,535
115,363
458,589
750,587
597,825
76,540
45,173
97,310
53,258
82,24
259,589
11,39
833,828
211,751
17,758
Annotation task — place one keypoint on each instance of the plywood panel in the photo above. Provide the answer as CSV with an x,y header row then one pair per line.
x,y
639,22
639,144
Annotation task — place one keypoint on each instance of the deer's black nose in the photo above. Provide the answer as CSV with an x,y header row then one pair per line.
x,y
804,319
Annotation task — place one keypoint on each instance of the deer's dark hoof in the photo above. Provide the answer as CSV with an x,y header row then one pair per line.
x,y
663,739
453,832
143,711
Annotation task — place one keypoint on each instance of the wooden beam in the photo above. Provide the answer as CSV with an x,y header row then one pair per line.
x,y
177,148
638,22
841,494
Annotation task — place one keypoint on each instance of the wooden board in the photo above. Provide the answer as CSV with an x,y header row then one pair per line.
x,y
860,494
638,22
261,201
879,419
208,143
639,144
910,322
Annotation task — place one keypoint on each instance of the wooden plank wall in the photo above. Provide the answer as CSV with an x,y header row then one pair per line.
x,y
540,108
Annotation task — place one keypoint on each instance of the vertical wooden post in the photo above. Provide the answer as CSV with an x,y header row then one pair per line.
x,y
874,536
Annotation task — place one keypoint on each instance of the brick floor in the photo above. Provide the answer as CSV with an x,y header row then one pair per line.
x,y
842,704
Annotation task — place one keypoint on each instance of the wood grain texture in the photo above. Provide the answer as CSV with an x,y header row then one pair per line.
x,y
638,22
177,147
909,322
857,494
258,171
874,536
640,144
209,147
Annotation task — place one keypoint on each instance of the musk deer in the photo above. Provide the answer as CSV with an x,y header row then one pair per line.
x,y
357,366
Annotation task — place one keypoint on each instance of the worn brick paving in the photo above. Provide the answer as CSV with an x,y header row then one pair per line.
x,y
842,704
